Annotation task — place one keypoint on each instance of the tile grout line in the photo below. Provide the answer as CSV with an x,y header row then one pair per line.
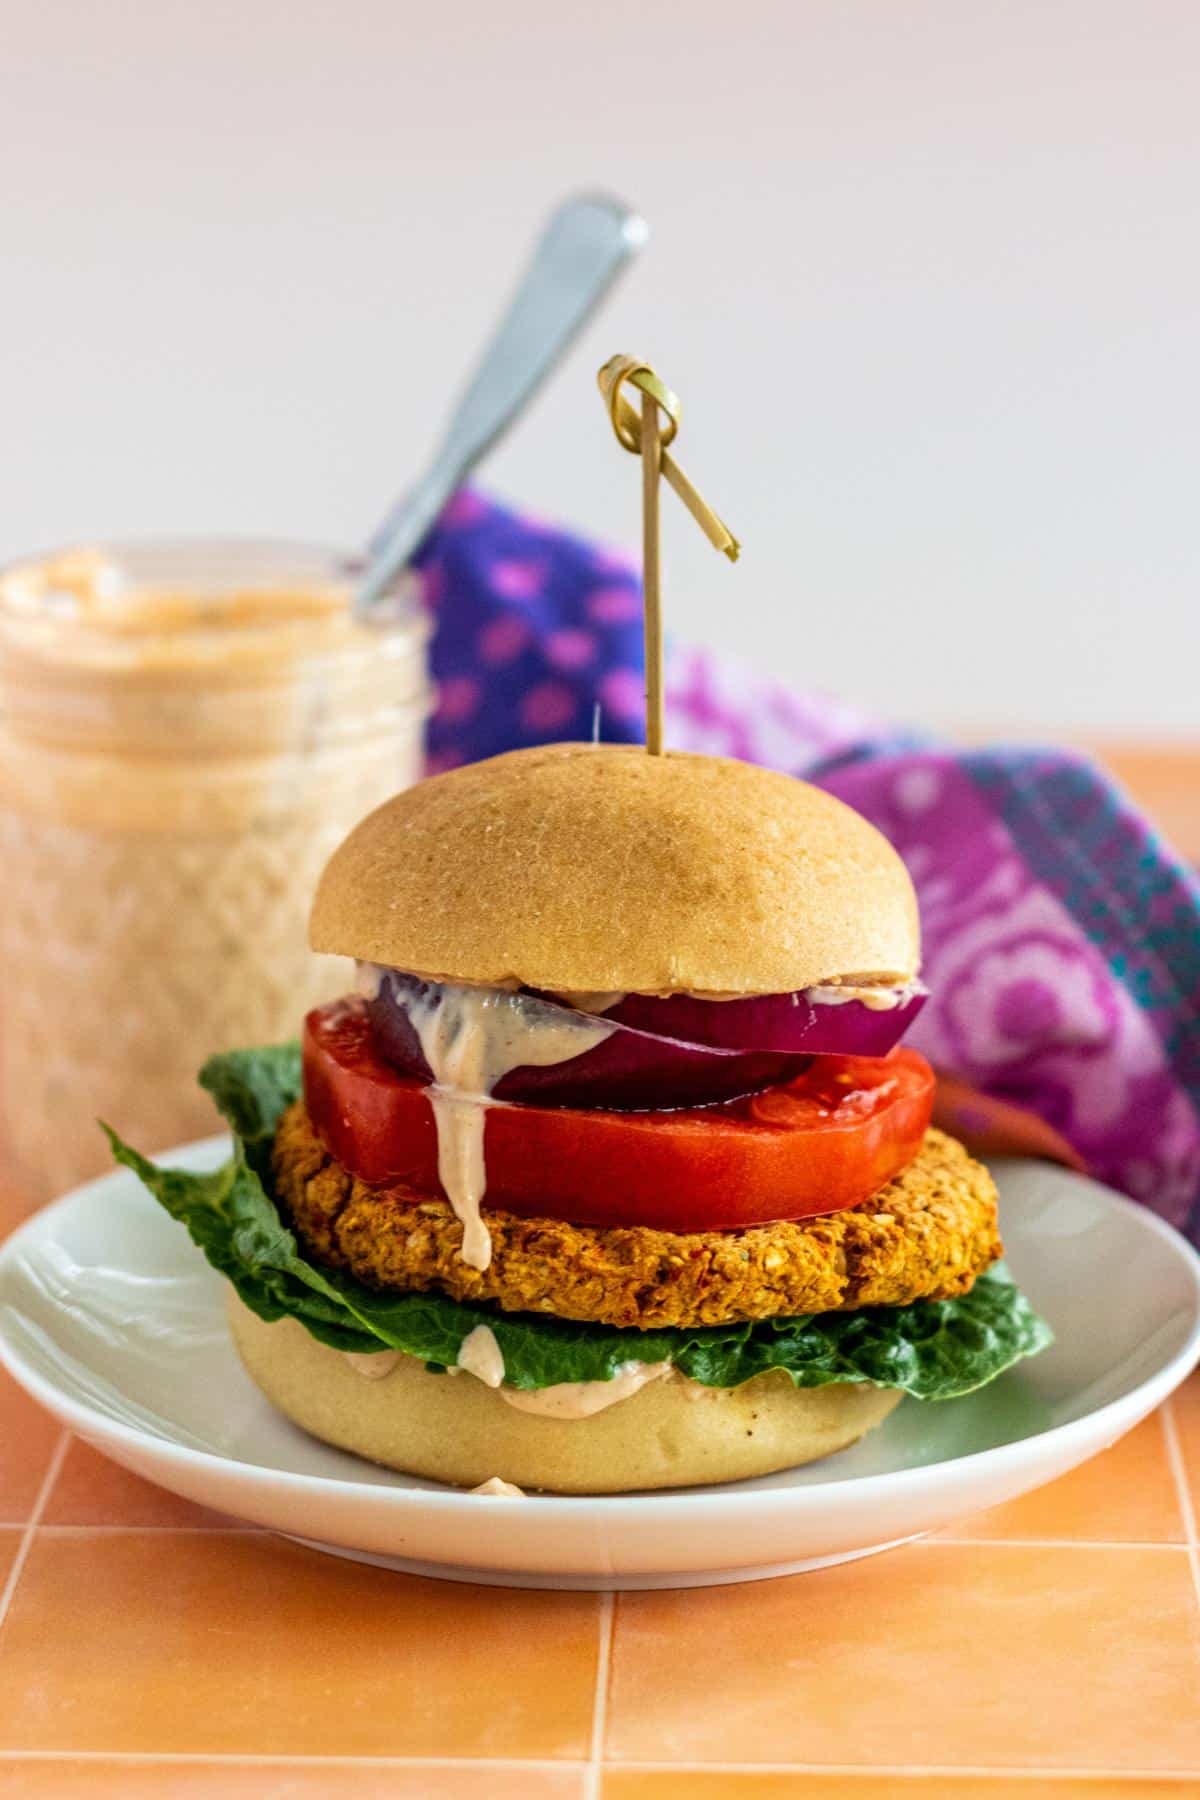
x,y
1182,1489
568,1764
924,1771
214,1531
285,1759
57,1456
595,1764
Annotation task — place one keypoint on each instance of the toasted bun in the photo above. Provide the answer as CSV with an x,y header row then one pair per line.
x,y
454,1429
591,868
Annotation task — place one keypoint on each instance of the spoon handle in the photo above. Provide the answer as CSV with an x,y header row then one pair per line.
x,y
586,243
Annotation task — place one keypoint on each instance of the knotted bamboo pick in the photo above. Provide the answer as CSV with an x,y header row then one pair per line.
x,y
645,436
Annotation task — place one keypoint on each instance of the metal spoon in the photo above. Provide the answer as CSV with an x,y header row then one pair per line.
x,y
583,248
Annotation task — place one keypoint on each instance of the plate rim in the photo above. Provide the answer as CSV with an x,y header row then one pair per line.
x,y
88,1422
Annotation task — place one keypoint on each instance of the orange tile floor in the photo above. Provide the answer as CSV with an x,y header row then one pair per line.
x,y
1050,1648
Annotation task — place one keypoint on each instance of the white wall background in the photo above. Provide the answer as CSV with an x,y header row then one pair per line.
x,y
927,276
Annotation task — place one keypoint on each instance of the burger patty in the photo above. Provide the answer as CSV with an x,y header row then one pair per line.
x,y
926,1235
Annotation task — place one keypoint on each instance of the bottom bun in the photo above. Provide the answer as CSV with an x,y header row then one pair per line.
x,y
670,1433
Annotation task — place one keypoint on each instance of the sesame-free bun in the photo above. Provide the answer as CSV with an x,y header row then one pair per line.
x,y
452,1428
599,868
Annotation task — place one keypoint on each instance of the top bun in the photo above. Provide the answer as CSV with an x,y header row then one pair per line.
x,y
594,868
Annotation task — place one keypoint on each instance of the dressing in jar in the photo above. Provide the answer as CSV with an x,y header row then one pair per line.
x,y
187,730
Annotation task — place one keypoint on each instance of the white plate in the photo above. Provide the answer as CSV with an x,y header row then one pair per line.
x,y
114,1322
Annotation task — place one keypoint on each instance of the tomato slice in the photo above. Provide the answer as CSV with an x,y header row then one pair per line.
x,y
821,1143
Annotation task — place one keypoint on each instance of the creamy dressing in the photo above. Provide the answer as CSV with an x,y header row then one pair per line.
x,y
374,1364
499,1489
582,1399
471,1037
879,997
480,1355
874,998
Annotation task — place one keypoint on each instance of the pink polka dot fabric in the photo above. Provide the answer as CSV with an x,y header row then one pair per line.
x,y
535,630
1062,936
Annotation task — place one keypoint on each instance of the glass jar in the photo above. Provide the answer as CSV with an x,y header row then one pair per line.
x,y
187,729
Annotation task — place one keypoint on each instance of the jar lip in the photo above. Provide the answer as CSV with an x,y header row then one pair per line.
x,y
127,588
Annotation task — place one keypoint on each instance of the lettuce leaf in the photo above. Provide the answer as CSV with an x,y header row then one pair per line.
x,y
932,1349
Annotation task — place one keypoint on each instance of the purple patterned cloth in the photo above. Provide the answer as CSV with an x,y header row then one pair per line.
x,y
1062,936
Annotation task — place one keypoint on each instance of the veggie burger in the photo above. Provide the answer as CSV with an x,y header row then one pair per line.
x,y
611,1173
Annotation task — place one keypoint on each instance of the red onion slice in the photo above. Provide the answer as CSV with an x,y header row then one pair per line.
x,y
809,1022
630,1071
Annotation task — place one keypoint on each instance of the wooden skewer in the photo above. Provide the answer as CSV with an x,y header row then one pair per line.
x,y
714,529
651,575
647,438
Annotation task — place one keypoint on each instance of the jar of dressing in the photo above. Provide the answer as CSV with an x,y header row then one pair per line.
x,y
187,729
